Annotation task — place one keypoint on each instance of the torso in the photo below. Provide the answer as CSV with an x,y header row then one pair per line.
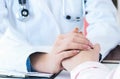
x,y
46,22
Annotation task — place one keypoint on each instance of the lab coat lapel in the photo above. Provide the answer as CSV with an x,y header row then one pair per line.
x,y
43,6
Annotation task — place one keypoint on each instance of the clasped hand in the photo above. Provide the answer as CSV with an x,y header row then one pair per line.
x,y
69,50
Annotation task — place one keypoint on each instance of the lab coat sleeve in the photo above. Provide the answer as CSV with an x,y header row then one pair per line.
x,y
15,51
90,70
3,13
102,25
14,48
94,70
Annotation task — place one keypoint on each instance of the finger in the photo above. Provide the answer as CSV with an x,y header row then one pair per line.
x,y
75,37
96,52
82,40
75,30
78,35
67,54
81,33
76,42
73,46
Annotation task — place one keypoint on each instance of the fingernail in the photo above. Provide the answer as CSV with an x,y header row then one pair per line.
x,y
91,45
77,51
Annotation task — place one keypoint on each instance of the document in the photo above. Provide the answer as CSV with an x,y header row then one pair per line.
x,y
17,74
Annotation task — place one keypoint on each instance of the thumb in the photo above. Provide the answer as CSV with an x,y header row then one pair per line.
x,y
97,48
97,51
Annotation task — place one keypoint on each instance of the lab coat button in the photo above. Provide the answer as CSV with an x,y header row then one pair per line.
x,y
85,1
68,17
86,12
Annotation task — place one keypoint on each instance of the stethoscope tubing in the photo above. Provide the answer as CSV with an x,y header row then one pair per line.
x,y
25,13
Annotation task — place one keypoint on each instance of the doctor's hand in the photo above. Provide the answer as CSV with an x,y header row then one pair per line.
x,y
66,46
51,62
84,56
74,40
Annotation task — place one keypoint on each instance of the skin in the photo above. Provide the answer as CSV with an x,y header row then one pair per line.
x,y
82,57
65,46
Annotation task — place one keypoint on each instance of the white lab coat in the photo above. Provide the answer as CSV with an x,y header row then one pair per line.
x,y
47,21
94,70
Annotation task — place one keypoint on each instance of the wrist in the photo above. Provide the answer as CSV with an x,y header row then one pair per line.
x,y
69,65
38,61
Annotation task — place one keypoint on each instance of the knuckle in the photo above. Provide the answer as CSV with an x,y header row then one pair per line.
x,y
73,38
60,36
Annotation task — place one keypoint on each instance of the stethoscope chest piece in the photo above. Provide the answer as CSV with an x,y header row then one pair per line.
x,y
23,14
71,12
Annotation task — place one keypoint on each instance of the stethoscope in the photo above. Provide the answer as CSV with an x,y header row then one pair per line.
x,y
68,16
24,12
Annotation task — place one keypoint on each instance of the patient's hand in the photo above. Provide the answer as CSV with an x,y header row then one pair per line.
x,y
83,56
